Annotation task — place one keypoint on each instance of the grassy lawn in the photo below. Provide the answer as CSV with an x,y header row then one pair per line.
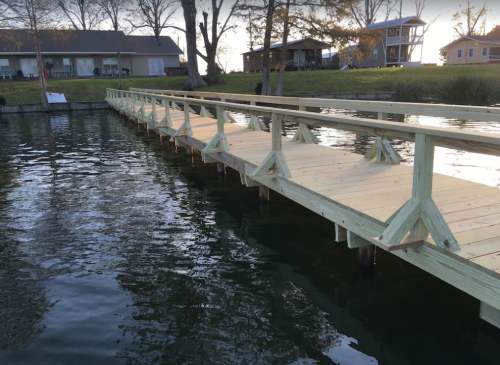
x,y
305,82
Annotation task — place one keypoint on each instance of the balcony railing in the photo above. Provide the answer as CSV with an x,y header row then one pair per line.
x,y
402,39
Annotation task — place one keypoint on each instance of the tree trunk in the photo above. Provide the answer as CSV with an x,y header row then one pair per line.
x,y
266,80
194,78
41,78
284,51
212,71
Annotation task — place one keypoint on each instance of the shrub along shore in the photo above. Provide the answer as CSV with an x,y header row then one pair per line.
x,y
417,81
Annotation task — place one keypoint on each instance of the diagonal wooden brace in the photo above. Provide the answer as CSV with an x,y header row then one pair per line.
x,y
420,215
274,164
304,134
383,151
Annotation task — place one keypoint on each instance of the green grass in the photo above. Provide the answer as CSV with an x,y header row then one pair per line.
x,y
305,82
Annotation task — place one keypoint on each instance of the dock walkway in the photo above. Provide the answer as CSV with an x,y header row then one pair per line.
x,y
372,199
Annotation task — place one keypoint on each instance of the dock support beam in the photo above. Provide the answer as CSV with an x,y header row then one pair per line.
x,y
490,314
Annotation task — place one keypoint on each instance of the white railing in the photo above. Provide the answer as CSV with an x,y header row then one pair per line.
x,y
402,39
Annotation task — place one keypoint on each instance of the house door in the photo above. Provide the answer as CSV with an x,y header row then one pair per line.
x,y
302,60
85,66
29,66
156,66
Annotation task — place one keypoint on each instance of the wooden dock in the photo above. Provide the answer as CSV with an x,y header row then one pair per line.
x,y
446,226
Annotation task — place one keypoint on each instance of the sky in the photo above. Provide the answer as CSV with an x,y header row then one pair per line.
x,y
439,35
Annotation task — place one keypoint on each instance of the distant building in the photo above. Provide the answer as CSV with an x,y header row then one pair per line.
x,y
401,44
301,54
469,50
331,60
79,53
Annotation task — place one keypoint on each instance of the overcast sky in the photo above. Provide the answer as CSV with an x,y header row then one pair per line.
x,y
439,35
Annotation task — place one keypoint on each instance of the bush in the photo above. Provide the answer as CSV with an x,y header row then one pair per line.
x,y
258,89
469,90
2,100
407,89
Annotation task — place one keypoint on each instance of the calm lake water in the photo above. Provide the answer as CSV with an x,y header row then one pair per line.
x,y
115,249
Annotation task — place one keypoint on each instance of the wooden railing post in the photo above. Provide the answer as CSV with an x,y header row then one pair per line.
x,y
420,215
174,105
185,128
219,142
167,121
153,110
275,162
254,122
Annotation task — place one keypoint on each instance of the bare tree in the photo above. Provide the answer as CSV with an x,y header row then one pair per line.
x,y
29,19
194,78
83,14
365,12
473,19
212,33
114,9
224,56
153,15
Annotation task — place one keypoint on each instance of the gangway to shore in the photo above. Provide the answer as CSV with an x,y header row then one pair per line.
x,y
446,226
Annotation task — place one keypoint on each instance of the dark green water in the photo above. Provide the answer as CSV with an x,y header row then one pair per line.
x,y
115,249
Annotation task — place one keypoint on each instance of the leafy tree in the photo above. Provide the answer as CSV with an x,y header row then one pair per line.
x,y
495,31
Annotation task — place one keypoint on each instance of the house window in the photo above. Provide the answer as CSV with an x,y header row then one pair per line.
x,y
375,54
110,63
459,53
471,53
494,53
485,51
4,65
66,64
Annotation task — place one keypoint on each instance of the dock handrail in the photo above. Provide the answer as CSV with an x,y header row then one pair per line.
x,y
481,113
418,217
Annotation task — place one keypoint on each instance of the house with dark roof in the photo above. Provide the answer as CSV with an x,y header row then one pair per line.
x,y
469,50
81,52
401,44
301,54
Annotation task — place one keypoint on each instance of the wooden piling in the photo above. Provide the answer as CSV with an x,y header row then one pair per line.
x,y
263,193
367,256
221,169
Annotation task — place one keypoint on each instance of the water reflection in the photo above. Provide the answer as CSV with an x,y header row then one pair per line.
x,y
114,249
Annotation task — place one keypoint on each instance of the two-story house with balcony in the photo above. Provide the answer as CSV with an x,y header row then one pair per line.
x,y
401,44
